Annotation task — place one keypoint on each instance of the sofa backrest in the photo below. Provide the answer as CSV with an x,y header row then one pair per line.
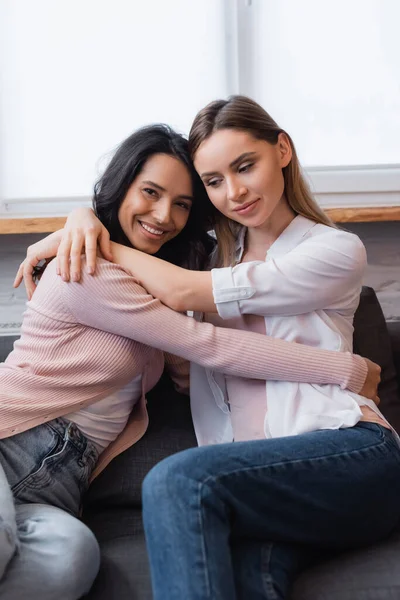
x,y
372,340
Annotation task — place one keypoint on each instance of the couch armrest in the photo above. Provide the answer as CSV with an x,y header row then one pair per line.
x,y
394,332
6,345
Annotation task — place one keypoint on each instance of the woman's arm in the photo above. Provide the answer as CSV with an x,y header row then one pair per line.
x,y
112,301
178,288
323,272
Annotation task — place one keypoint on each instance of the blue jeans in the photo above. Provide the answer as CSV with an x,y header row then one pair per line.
x,y
238,520
45,550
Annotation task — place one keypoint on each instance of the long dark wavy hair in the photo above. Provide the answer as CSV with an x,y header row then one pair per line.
x,y
191,247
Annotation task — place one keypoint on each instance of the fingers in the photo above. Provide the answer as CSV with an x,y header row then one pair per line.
x,y
63,257
78,242
19,276
91,251
105,244
30,286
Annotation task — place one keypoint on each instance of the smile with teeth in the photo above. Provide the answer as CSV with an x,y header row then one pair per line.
x,y
151,229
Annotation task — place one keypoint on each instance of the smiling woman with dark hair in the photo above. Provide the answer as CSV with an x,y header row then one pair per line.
x,y
191,247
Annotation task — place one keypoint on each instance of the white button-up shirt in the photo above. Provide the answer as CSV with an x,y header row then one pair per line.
x,y
307,290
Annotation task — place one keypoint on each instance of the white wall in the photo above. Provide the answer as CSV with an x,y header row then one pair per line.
x,y
77,76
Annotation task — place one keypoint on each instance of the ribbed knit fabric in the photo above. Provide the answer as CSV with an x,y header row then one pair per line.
x,y
82,341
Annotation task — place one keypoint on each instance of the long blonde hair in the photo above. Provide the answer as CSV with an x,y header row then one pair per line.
x,y
244,114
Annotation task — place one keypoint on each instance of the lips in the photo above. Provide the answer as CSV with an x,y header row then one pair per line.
x,y
152,229
244,208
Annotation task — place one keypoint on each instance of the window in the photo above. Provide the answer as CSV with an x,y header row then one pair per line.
x,y
78,77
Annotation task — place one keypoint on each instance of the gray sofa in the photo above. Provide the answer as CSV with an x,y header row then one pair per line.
x,y
113,504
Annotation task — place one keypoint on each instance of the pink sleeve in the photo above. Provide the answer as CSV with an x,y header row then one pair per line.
x,y
113,301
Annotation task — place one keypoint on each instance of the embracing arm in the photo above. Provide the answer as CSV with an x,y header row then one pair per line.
x,y
323,272
178,288
112,301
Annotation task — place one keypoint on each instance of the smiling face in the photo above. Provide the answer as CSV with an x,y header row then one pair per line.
x,y
158,203
243,175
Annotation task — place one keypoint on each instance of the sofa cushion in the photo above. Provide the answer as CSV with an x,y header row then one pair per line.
x,y
372,340
370,573
124,573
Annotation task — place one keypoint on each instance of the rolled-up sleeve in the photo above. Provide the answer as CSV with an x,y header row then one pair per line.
x,y
323,272
228,293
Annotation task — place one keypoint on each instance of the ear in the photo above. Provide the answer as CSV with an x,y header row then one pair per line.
x,y
284,149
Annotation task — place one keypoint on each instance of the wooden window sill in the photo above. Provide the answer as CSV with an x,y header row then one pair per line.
x,y
339,215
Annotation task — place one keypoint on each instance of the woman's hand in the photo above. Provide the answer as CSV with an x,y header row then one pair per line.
x,y
44,249
82,233
370,387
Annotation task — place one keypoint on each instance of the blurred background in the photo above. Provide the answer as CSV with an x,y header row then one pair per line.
x,y
77,76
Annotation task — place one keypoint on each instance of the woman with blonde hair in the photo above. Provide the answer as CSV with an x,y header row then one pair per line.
x,y
313,467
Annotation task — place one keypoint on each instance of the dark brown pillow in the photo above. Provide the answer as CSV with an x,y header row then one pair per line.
x,y
372,340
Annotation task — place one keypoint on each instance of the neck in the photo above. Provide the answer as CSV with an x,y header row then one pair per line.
x,y
263,236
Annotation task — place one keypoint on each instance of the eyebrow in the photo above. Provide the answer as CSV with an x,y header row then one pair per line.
x,y
233,164
159,187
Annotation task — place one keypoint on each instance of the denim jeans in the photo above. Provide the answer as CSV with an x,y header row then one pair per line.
x,y
45,550
239,520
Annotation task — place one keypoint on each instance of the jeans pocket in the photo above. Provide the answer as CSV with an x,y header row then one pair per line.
x,y
44,474
55,462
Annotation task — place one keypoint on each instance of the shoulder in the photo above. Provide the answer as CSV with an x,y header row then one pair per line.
x,y
344,243
110,282
48,282
107,272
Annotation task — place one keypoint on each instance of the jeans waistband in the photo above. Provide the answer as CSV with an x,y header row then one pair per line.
x,y
68,430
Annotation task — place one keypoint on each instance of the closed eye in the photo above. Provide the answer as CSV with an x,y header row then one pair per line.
x,y
212,182
245,168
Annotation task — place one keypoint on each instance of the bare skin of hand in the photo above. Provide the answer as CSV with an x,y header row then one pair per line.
x,y
83,232
42,250
372,381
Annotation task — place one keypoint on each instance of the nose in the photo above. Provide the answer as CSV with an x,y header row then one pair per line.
x,y
162,212
235,189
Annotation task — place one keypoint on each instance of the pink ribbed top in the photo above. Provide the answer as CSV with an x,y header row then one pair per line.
x,y
247,397
82,341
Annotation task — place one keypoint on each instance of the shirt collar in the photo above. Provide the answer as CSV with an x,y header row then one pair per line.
x,y
289,238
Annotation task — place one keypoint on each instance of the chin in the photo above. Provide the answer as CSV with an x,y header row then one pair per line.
x,y
148,249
